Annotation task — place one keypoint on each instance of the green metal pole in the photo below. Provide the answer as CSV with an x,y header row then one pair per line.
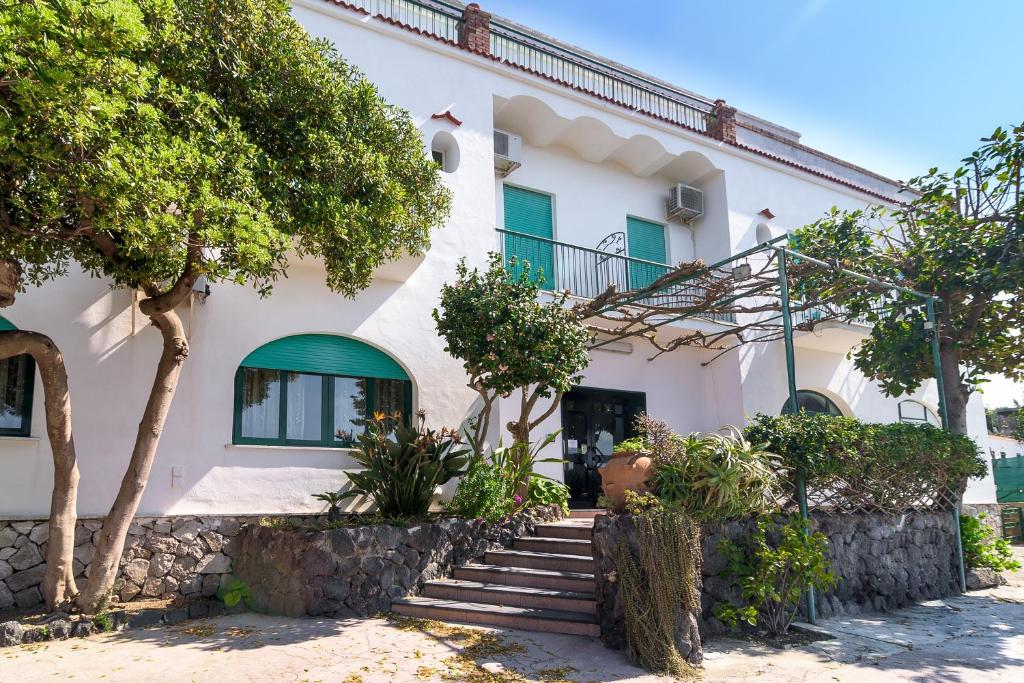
x,y
944,415
794,404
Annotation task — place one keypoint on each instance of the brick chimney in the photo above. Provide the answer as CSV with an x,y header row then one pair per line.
x,y
722,122
475,29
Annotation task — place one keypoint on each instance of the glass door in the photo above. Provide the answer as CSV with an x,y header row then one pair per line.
x,y
593,422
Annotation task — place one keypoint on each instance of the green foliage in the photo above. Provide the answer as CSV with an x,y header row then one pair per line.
x,y
334,500
403,465
234,593
490,489
709,476
635,445
102,622
153,139
960,239
889,465
773,569
494,322
659,586
981,549
509,339
718,476
545,491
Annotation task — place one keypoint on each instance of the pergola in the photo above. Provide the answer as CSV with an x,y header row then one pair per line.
x,y
761,295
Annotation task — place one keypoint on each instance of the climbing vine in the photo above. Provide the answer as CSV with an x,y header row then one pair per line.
x,y
659,586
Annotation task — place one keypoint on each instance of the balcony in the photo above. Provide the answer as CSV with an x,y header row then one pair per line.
x,y
588,272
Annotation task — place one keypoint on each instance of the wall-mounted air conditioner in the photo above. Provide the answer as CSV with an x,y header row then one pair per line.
x,y
684,204
508,152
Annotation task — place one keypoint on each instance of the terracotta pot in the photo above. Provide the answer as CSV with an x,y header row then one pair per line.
x,y
626,471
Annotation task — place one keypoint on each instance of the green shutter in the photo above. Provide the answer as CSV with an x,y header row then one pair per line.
x,y
645,240
1009,476
529,213
325,354
6,324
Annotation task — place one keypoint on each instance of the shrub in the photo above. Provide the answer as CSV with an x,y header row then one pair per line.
x,y
709,476
235,592
404,465
890,467
491,488
544,491
772,576
102,622
981,549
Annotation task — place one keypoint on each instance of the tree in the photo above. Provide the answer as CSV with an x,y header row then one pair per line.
x,y
152,142
961,239
509,340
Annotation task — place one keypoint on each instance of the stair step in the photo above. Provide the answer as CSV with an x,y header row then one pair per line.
x,y
585,514
515,596
526,618
563,546
534,560
533,578
573,530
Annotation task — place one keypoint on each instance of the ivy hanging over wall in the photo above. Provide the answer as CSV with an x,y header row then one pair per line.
x,y
660,587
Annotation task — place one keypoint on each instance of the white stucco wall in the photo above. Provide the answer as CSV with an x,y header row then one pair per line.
x,y
601,162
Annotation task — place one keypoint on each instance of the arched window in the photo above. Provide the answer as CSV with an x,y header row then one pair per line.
x,y
316,390
17,376
813,402
915,412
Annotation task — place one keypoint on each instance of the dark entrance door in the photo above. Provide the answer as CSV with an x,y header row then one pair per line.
x,y
594,420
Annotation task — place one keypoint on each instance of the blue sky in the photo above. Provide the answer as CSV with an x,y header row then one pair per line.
x,y
895,86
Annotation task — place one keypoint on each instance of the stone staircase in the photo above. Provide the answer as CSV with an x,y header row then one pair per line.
x,y
545,583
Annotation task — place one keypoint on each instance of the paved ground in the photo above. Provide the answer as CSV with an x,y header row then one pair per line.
x,y
978,637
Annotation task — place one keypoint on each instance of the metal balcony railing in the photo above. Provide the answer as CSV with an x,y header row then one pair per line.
x,y
593,76
557,62
436,18
588,272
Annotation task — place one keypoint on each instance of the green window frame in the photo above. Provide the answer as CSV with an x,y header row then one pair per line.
x,y
326,438
18,382
813,402
327,357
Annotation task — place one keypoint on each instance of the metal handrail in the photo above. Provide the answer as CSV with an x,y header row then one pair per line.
x,y
436,18
558,62
587,272
589,75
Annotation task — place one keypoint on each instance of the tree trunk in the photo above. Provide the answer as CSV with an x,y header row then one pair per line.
x,y
58,584
122,512
956,392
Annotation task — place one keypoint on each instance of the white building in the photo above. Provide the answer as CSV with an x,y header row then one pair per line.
x,y
600,147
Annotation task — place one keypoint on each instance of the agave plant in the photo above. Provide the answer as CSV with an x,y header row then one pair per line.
x,y
403,465
718,476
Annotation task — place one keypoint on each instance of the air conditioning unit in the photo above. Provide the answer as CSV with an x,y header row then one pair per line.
x,y
684,204
508,152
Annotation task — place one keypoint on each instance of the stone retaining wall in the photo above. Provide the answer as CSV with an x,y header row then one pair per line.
x,y
358,571
882,562
163,557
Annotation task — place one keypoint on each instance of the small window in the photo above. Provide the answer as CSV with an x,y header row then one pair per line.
x,y
17,375
280,407
813,402
915,412
444,150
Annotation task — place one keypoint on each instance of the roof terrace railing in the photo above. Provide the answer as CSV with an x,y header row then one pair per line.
x,y
588,272
557,62
589,75
436,18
